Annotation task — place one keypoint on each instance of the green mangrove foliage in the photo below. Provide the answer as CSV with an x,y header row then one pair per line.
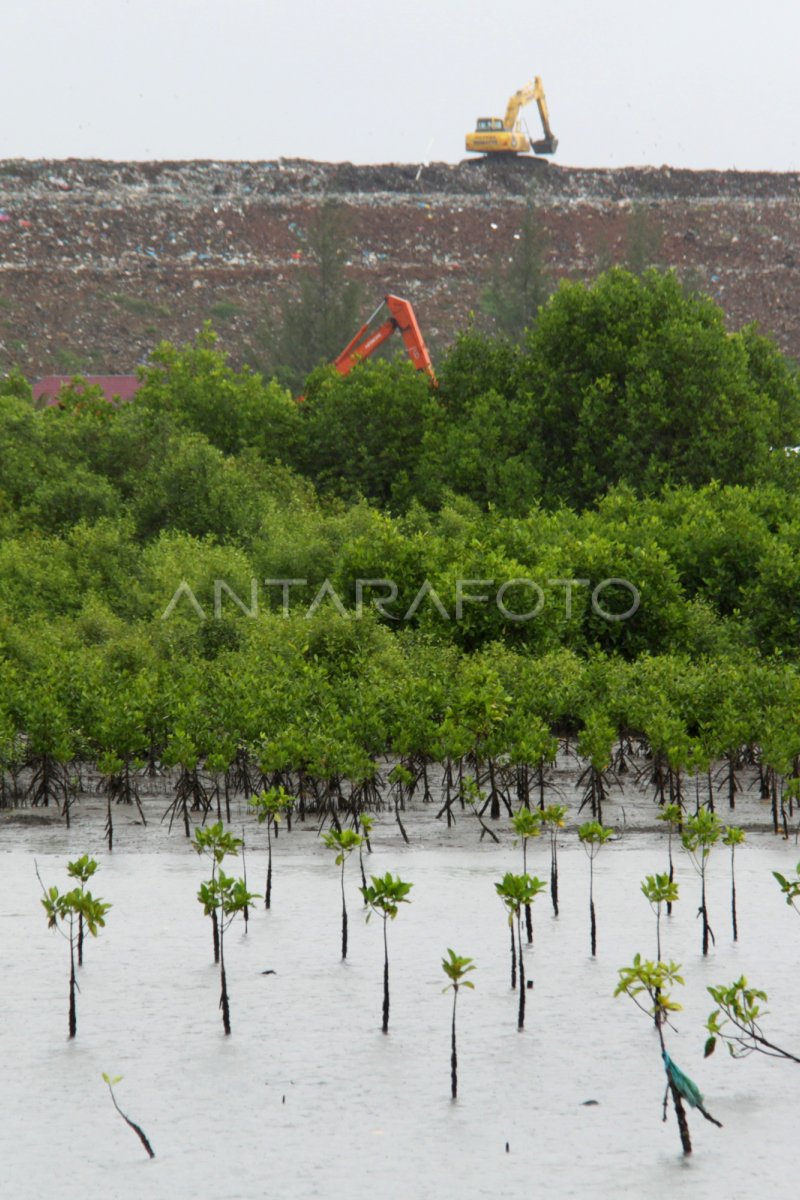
x,y
174,573
736,1022
790,887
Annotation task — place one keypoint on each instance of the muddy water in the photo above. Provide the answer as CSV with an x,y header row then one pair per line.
x,y
308,1099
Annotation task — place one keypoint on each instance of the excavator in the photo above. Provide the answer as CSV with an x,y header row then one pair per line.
x,y
401,317
494,135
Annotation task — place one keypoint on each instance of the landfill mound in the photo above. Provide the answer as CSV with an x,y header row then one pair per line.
x,y
100,260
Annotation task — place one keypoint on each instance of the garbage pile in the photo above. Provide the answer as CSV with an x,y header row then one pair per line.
x,y
101,260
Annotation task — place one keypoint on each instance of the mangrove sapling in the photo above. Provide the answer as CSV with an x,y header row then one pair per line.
x,y
652,979
593,835
658,890
246,909
215,843
142,1136
455,968
270,806
402,784
343,842
553,819
63,912
701,832
672,815
739,1005
383,896
119,784
190,794
595,745
527,824
365,822
472,795
516,891
225,896
82,869
733,837
790,887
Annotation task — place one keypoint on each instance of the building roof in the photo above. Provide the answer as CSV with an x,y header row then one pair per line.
x,y
119,387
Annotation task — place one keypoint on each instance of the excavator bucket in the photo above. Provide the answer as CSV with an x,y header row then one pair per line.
x,y
545,145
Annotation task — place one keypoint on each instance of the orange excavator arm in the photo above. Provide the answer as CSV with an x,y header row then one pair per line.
x,y
401,317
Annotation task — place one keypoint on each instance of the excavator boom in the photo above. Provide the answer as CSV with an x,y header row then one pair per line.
x,y
401,317
365,342
523,96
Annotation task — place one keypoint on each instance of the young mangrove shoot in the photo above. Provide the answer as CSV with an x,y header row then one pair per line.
x,y
658,890
473,796
215,843
733,837
455,968
593,835
227,897
271,806
740,1006
364,822
142,1136
527,824
384,896
651,980
82,869
672,816
343,842
516,891
554,818
63,912
790,887
700,834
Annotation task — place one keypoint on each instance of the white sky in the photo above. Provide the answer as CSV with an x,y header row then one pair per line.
x,y
692,83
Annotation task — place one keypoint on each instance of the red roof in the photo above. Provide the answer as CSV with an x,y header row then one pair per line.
x,y
121,387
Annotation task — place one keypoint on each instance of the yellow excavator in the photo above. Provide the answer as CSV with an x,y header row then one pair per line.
x,y
494,135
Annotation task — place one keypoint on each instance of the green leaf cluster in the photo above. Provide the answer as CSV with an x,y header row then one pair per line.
x,y
515,891
385,894
455,967
343,841
63,906
647,978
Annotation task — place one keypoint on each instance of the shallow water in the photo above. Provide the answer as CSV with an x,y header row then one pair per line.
x,y
307,1098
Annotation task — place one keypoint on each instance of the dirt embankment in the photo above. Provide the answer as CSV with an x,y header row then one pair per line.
x,y
99,260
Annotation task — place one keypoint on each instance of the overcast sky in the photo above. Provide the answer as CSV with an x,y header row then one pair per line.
x,y
691,83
